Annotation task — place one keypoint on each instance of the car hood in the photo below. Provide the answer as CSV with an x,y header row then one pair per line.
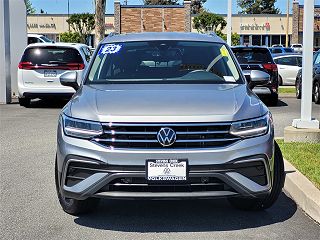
x,y
165,103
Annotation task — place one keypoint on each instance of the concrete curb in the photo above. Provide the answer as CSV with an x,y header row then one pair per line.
x,y
287,95
303,192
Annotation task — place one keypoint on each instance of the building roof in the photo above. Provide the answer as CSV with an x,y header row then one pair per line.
x,y
153,36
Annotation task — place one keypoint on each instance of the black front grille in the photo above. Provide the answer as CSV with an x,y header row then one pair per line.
x,y
143,136
78,171
194,184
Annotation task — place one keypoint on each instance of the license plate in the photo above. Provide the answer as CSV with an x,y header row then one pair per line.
x,y
166,170
50,73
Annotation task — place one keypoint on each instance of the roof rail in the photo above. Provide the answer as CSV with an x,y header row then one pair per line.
x,y
212,34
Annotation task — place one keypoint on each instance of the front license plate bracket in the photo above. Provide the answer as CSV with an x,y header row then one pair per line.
x,y
166,170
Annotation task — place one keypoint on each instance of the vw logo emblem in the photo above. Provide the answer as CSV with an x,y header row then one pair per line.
x,y
166,137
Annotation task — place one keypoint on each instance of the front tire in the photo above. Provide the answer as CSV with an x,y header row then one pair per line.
x,y
280,81
24,102
298,90
256,204
274,98
316,94
73,206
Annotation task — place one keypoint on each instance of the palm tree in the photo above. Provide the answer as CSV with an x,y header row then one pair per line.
x,y
100,8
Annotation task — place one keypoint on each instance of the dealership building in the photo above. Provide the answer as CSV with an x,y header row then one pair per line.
x,y
254,29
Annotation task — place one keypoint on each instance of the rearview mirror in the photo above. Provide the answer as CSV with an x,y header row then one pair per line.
x,y
256,77
69,79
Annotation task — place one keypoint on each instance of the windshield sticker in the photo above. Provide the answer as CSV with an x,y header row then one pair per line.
x,y
224,52
110,49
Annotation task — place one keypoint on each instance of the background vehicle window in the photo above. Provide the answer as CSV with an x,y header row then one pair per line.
x,y
51,55
288,50
164,61
317,61
276,50
45,39
290,61
253,55
33,40
87,53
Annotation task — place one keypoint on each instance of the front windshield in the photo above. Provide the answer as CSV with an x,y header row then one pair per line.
x,y
164,62
45,39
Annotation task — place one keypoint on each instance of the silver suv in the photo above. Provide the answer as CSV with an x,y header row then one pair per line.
x,y
166,116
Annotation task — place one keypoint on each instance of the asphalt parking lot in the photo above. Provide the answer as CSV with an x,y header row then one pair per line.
x,y
29,208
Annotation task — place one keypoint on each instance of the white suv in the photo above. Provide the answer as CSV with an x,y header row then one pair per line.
x,y
38,38
297,48
41,66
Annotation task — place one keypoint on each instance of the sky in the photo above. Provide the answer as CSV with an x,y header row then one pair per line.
x,y
80,6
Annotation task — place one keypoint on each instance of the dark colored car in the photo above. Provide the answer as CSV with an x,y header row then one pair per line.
x,y
259,58
316,79
275,50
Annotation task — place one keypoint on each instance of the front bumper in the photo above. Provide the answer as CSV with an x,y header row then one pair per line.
x,y
36,92
121,173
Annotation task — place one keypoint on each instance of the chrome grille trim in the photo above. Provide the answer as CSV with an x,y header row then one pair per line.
x,y
155,141
165,124
112,132
144,135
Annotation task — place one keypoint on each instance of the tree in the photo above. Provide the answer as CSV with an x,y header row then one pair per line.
x,y
30,8
207,21
72,37
258,7
197,6
161,2
235,38
99,20
82,23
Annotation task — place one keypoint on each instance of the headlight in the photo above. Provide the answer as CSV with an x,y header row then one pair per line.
x,y
252,128
80,128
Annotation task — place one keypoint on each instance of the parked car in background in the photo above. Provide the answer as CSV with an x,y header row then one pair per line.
x,y
277,45
37,38
41,66
275,50
288,67
259,58
316,80
297,48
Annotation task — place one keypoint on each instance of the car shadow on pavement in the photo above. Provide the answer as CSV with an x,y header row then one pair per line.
x,y
280,104
48,103
182,216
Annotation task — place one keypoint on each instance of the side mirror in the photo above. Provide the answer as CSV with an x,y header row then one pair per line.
x,y
256,77
69,79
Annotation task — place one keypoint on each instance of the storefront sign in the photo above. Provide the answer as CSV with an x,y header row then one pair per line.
x,y
41,26
255,27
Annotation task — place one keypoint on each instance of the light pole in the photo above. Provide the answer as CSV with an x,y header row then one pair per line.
x,y
68,15
287,27
306,120
229,23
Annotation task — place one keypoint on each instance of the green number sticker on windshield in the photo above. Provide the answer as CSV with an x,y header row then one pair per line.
x,y
224,51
